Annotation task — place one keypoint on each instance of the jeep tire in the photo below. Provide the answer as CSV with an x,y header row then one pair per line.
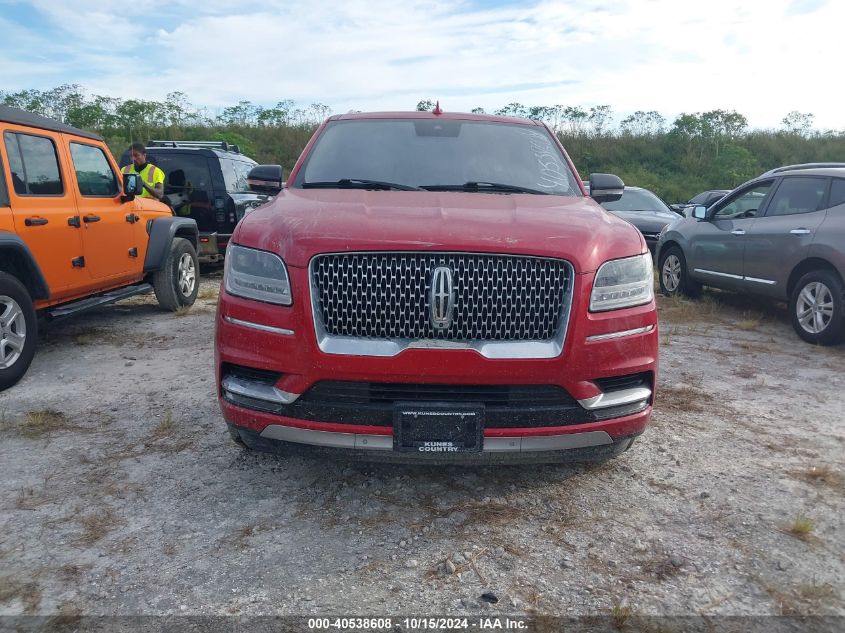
x,y
177,282
18,330
816,307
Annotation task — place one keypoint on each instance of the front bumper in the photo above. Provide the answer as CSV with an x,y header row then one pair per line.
x,y
580,447
280,342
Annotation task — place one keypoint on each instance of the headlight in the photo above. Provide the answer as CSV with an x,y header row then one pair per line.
x,y
256,275
622,283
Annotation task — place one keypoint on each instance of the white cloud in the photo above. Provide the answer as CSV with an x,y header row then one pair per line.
x,y
761,58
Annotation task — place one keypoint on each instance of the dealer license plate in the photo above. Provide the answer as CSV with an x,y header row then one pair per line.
x,y
435,428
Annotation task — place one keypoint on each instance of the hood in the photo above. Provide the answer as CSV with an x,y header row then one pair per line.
x,y
299,224
654,219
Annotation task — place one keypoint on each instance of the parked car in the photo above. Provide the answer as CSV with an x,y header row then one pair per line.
x,y
206,180
72,238
781,235
437,286
644,210
705,198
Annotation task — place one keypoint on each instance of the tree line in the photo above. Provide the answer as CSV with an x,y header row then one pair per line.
x,y
677,159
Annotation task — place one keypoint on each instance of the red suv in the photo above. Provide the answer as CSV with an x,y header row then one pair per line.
x,y
437,287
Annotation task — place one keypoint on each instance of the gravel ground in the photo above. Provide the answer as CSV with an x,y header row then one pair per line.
x,y
123,493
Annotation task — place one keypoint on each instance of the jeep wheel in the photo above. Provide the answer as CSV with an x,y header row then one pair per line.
x,y
674,276
18,331
177,283
816,307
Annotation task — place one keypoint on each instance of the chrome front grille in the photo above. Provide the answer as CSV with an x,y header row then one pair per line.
x,y
388,296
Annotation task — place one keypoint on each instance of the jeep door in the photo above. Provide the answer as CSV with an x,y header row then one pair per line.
x,y
780,238
717,244
43,207
107,223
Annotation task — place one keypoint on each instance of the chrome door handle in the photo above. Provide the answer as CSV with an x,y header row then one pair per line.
x,y
800,231
738,232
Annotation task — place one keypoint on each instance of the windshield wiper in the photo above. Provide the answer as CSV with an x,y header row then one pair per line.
x,y
358,183
492,187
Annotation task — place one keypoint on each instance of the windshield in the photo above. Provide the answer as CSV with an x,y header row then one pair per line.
x,y
439,153
637,200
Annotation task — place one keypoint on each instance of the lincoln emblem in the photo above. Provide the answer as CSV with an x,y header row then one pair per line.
x,y
442,298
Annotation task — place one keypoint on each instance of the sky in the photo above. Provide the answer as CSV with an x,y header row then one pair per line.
x,y
762,58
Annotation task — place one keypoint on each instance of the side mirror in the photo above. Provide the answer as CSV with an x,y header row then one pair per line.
x,y
606,187
132,186
699,212
266,179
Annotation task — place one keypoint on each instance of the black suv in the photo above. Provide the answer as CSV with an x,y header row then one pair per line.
x,y
207,181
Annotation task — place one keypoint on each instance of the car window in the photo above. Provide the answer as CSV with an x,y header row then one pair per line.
x,y
837,192
187,174
745,205
699,199
34,165
234,174
431,153
93,171
798,195
636,200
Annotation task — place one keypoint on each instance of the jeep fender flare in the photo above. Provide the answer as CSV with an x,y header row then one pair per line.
x,y
22,264
162,232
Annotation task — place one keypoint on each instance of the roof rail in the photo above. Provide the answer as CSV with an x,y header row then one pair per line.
x,y
223,145
800,166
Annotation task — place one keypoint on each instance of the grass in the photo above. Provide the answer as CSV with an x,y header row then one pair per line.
x,y
27,592
239,538
685,399
161,439
821,476
801,528
209,292
36,424
805,599
71,573
97,526
30,499
182,311
747,371
749,323
620,615
103,336
166,426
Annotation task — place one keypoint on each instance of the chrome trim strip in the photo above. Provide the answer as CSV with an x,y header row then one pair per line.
x,y
561,442
385,442
354,346
800,231
258,326
616,398
258,391
740,277
713,272
761,281
623,333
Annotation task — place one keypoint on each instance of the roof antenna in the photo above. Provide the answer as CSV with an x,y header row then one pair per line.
x,y
437,109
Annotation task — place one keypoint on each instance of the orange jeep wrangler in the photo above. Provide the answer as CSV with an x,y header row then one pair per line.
x,y
74,236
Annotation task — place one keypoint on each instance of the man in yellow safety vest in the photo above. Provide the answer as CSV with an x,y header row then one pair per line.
x,y
151,176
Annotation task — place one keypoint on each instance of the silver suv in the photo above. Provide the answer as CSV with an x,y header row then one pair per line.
x,y
781,235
